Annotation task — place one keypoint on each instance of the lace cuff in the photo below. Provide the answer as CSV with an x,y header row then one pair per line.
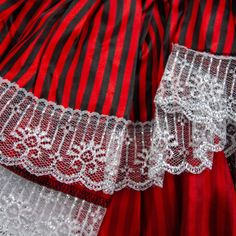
x,y
195,111
195,117
28,209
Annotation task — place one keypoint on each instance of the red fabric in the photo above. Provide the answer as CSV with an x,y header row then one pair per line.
x,y
120,53
188,204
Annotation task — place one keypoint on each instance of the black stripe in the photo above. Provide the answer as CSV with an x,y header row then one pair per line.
x,y
79,67
28,41
148,16
135,84
166,41
131,88
158,40
196,32
124,57
30,84
161,11
136,103
186,21
109,62
168,24
48,26
5,31
7,5
149,84
210,29
224,28
28,16
63,75
59,47
97,52
233,51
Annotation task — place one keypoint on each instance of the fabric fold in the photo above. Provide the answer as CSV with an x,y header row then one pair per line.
x,y
195,117
195,111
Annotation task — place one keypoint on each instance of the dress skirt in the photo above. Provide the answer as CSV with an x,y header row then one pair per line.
x,y
118,117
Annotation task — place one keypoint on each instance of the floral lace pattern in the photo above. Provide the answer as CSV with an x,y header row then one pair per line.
x,y
195,111
28,209
99,151
195,117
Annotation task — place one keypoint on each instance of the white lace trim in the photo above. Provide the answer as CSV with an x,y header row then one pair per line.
x,y
99,151
28,209
195,111
195,116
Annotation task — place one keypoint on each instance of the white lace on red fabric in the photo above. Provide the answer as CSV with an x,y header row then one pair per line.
x,y
195,117
195,111
28,209
99,151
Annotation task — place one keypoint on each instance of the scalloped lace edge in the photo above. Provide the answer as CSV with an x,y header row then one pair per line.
x,y
109,153
29,209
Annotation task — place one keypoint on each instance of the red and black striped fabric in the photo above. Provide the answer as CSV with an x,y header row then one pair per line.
x,y
108,56
188,204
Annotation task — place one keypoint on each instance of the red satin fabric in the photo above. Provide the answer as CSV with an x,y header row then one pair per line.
x,y
188,204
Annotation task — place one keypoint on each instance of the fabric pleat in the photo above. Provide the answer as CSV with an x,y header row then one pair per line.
x,y
109,57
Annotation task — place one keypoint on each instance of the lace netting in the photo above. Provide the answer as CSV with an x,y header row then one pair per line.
x,y
28,209
195,117
195,111
99,151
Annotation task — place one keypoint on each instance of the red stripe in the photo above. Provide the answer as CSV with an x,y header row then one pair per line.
x,y
206,195
224,184
142,82
4,14
103,57
181,20
231,34
30,26
51,47
172,198
217,26
88,58
71,71
191,24
136,29
64,53
174,19
116,59
19,63
205,24
14,26
134,216
18,45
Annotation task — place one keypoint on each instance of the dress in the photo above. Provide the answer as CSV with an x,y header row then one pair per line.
x,y
117,117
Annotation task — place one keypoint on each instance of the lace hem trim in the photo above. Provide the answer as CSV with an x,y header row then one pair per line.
x,y
28,209
101,152
195,111
195,116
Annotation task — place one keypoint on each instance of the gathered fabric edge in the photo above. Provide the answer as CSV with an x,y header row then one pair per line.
x,y
194,117
101,152
195,111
